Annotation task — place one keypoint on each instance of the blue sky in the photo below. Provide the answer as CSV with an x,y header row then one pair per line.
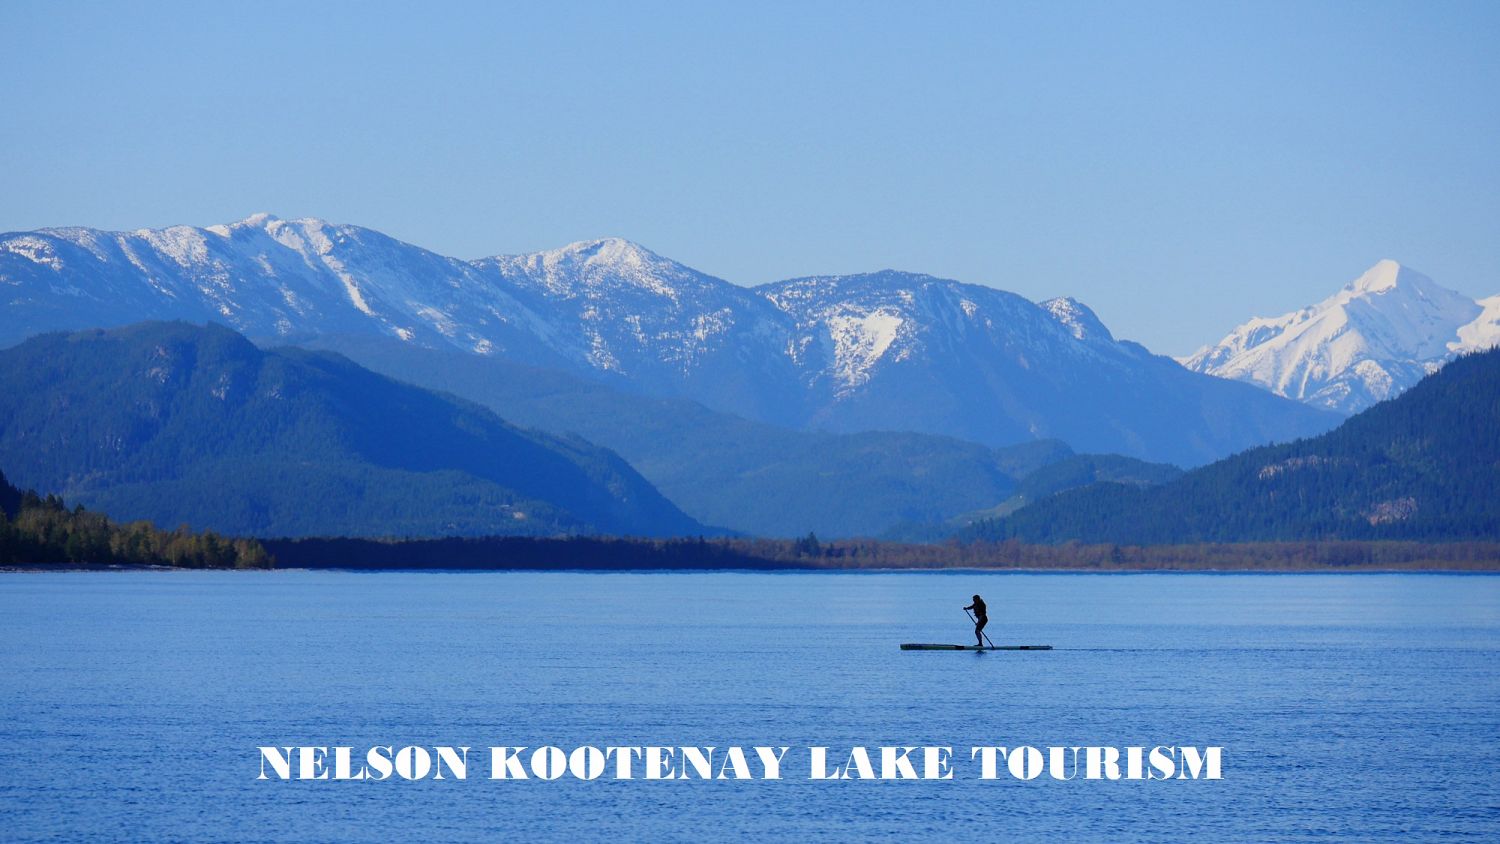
x,y
1180,167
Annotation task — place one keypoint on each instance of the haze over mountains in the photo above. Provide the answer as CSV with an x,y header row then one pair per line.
x,y
879,351
1373,339
752,476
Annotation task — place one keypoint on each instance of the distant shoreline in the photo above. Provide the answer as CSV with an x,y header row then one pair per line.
x,y
809,554
115,568
614,554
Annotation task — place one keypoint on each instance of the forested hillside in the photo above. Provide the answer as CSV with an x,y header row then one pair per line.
x,y
178,423
1423,466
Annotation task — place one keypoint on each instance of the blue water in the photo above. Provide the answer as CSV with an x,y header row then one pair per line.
x,y
1355,707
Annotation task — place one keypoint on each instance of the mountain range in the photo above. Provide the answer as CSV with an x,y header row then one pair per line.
x,y
1422,466
175,423
1374,338
886,351
885,403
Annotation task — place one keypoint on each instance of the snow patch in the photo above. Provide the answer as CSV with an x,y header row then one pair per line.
x,y
183,244
712,324
1079,321
1376,379
351,285
36,250
859,342
439,320
600,357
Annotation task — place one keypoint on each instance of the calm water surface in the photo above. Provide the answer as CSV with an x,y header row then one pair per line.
x,y
1357,707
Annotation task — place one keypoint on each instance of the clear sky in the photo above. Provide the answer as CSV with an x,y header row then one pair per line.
x,y
1180,167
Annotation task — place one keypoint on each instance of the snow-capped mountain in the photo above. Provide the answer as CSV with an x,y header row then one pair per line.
x,y
889,350
262,275
613,309
1368,342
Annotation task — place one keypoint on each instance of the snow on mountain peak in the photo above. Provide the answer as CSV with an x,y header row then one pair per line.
x,y
607,254
611,250
591,268
1078,318
271,224
1372,339
258,220
1384,275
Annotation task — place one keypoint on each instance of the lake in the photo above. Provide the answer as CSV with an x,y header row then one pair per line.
x,y
1356,707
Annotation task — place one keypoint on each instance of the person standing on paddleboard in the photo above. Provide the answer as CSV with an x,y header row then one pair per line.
x,y
981,618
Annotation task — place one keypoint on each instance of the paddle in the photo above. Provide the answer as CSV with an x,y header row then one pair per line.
x,y
976,621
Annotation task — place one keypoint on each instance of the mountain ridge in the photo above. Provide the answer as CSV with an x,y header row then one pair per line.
x,y
873,351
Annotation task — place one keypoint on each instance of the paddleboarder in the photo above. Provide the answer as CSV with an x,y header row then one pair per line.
x,y
980,619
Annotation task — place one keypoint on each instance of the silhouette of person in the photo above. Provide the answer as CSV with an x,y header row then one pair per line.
x,y
981,618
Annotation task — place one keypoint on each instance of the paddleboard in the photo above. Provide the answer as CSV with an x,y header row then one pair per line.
x,y
918,646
